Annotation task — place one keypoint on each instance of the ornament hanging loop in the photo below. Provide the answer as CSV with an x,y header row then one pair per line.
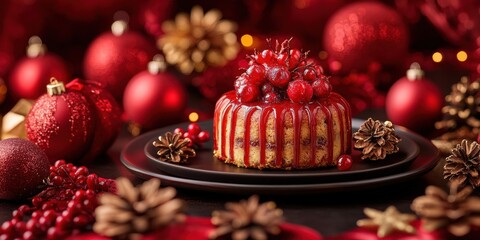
x,y
55,87
157,64
35,47
415,72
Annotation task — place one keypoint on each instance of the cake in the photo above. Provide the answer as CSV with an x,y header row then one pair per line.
x,y
282,115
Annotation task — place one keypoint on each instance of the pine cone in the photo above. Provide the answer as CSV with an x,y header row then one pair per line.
x,y
174,148
462,107
136,210
194,42
463,165
376,139
247,220
456,211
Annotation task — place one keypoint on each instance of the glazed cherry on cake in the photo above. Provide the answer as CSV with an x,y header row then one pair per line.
x,y
282,114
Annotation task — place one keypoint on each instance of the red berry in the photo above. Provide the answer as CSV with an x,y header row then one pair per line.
x,y
81,171
256,74
318,70
294,59
248,93
300,91
344,162
203,136
321,88
194,128
59,163
309,74
265,57
267,87
179,130
278,76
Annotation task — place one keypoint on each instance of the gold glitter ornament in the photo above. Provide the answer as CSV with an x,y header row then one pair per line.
x,y
192,43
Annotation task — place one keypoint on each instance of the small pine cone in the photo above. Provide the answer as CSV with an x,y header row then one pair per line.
x,y
457,211
376,139
136,210
174,148
463,165
247,220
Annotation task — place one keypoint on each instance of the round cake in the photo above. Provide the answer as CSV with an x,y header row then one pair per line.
x,y
282,115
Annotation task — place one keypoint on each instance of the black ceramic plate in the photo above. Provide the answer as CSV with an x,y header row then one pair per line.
x,y
134,159
205,167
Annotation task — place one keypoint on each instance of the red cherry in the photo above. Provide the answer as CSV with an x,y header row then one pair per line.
x,y
300,91
265,57
278,76
321,88
248,93
193,128
267,87
203,136
256,74
344,162
282,59
318,70
309,74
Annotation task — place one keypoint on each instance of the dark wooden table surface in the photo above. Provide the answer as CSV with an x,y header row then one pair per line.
x,y
328,213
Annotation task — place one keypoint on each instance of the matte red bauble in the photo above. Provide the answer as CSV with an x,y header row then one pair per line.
x,y
107,114
154,98
32,73
365,32
61,123
115,57
23,166
414,101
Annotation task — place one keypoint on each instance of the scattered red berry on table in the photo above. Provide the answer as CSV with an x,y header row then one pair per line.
x,y
195,134
344,162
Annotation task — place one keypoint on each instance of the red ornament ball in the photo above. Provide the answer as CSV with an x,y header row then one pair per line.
x,y
415,103
107,114
365,32
62,124
114,59
154,99
31,74
23,166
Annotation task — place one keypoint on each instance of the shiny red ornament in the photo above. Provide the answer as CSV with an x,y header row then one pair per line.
x,y
107,114
363,33
414,101
32,73
154,13
113,58
154,98
23,167
61,123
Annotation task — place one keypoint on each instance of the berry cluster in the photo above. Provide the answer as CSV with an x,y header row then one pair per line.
x,y
274,75
195,134
64,207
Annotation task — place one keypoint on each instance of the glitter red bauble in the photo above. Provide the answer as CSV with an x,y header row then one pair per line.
x,y
107,114
62,125
363,33
114,60
31,74
23,166
154,100
414,104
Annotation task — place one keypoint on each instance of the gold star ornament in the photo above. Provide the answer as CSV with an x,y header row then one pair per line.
x,y
195,42
388,221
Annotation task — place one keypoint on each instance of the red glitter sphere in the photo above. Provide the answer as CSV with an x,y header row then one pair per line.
x,y
414,102
363,33
154,98
61,123
107,114
32,73
23,166
113,59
